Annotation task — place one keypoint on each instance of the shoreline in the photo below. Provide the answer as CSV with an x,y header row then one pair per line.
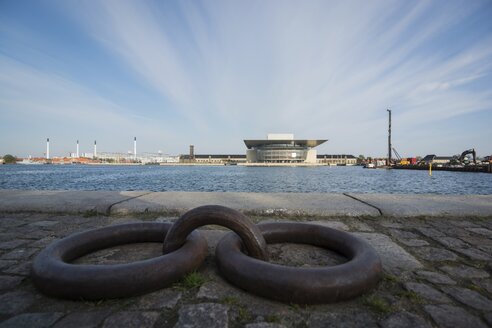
x,y
291,205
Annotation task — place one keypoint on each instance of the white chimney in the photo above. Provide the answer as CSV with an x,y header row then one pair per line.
x,y
78,149
95,149
135,148
48,148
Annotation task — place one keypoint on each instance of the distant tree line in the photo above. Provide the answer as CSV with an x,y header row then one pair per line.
x,y
9,159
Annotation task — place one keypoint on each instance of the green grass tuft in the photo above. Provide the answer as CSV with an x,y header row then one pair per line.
x,y
229,300
413,296
191,280
272,318
378,304
243,314
391,278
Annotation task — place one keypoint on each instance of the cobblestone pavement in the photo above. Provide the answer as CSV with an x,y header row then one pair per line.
x,y
437,273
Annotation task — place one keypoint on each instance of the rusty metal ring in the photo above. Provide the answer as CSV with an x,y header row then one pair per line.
x,y
302,285
54,276
220,215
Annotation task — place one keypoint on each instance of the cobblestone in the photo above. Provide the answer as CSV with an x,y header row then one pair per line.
x,y
8,245
264,325
477,241
465,272
209,315
464,224
404,320
448,316
411,251
341,320
481,231
435,254
131,319
427,292
15,302
44,224
82,320
473,254
38,320
22,268
484,283
430,232
469,297
488,318
413,242
395,259
162,299
19,254
436,278
361,226
450,242
5,264
9,282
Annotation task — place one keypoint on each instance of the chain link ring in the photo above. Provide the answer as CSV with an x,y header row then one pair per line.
x,y
219,215
302,285
54,276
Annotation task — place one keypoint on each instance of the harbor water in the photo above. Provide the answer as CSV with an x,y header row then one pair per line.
x,y
322,179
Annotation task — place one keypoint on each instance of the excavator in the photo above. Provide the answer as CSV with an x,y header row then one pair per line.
x,y
461,159
466,152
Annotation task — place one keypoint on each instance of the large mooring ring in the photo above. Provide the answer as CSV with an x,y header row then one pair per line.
x,y
302,285
249,233
54,276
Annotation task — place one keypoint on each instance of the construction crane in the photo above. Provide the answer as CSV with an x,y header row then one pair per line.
x,y
396,153
402,161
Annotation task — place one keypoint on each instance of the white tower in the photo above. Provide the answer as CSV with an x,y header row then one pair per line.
x,y
48,148
78,149
95,149
135,149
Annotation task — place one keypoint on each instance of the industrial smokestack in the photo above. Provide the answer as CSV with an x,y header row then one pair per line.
x,y
95,149
78,149
135,149
48,148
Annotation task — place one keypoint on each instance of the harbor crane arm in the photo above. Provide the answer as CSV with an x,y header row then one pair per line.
x,y
397,155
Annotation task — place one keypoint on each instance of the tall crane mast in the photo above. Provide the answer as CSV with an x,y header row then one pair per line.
x,y
389,138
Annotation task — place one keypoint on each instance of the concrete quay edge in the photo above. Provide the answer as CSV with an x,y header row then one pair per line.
x,y
125,203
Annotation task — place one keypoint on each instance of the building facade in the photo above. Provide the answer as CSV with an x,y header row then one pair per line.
x,y
282,148
213,159
341,160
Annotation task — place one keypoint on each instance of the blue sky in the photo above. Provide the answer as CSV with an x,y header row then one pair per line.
x,y
212,73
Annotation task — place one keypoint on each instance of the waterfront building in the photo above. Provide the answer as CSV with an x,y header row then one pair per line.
x,y
276,149
143,158
282,148
341,160
437,159
213,159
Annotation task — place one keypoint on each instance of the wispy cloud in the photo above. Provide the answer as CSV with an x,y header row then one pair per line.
x,y
318,69
48,103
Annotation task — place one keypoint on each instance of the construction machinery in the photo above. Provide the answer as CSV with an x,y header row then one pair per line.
x,y
462,159
404,161
467,152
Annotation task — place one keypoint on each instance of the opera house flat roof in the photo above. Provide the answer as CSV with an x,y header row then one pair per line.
x,y
299,142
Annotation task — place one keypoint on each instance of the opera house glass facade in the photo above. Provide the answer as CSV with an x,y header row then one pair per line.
x,y
281,148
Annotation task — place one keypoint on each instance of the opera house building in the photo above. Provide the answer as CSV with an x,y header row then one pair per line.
x,y
282,148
